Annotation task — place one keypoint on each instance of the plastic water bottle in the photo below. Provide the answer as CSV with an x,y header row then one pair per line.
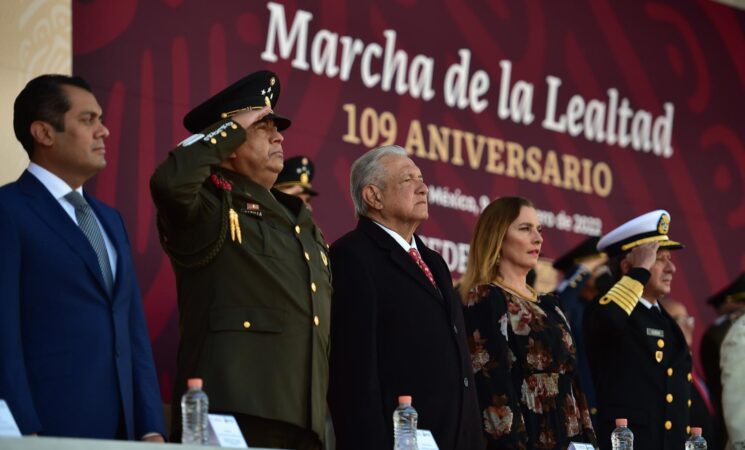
x,y
194,410
404,425
696,441
622,438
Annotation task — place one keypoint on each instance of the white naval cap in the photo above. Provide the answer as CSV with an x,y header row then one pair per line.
x,y
650,227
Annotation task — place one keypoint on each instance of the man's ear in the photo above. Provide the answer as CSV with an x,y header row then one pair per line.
x,y
43,133
372,197
625,265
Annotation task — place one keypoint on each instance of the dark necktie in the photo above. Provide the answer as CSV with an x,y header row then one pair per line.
x,y
89,227
422,265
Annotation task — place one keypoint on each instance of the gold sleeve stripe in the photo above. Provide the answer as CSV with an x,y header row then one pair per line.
x,y
625,293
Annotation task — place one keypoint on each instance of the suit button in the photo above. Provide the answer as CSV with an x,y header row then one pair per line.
x,y
690,377
316,320
465,382
307,256
660,343
688,429
297,229
313,287
668,425
246,324
689,402
669,371
669,398
455,329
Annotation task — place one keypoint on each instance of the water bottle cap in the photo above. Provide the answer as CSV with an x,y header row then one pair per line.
x,y
404,399
622,422
194,383
696,430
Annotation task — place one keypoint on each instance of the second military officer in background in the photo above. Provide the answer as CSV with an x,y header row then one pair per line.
x,y
295,179
640,363
251,269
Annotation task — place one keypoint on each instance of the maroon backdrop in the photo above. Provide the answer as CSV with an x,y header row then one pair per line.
x,y
151,61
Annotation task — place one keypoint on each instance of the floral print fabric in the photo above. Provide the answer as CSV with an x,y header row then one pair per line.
x,y
524,359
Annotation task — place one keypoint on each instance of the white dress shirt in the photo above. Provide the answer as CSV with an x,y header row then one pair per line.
x,y
58,188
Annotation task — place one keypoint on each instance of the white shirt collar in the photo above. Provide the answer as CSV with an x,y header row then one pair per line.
x,y
649,304
397,237
54,184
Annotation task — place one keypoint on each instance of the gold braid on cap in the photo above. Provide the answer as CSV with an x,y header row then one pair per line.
x,y
227,114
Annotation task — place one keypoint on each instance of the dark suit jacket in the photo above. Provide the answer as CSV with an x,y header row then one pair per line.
x,y
641,367
393,333
74,361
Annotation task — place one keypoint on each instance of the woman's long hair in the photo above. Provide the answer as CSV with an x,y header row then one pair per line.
x,y
486,245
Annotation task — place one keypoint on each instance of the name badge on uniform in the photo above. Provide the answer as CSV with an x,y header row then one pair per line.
x,y
252,209
655,332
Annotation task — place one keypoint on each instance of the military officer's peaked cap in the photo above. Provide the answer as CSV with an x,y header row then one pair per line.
x,y
650,227
297,171
735,292
585,249
254,91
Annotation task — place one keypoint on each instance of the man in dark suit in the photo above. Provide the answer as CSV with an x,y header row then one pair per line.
x,y
252,272
75,357
640,363
397,324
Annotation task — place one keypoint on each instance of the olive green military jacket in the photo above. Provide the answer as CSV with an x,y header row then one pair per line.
x,y
254,315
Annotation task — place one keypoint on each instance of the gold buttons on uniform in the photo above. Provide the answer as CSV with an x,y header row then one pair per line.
x,y
297,229
660,343
690,377
688,429
670,371
658,356
307,256
689,402
234,126
313,287
669,398
316,320
324,259
213,140
668,425
247,324
223,134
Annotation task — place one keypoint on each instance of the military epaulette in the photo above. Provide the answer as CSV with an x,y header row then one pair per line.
x,y
625,293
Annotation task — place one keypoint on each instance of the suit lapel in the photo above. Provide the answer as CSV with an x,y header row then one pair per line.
x,y
49,211
398,255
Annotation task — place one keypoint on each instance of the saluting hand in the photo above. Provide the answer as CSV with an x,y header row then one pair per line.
x,y
247,118
644,255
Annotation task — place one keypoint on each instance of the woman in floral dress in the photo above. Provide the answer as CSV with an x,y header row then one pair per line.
x,y
521,346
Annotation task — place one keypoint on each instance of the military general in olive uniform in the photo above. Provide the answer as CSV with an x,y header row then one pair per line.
x,y
252,270
640,362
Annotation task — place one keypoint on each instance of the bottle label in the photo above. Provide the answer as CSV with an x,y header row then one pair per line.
x,y
425,440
